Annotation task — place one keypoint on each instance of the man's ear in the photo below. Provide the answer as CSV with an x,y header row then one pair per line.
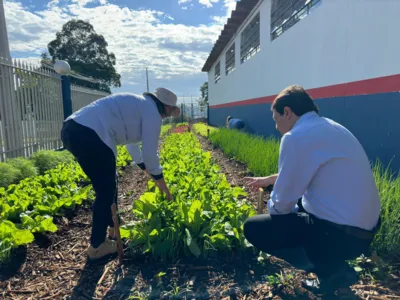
x,y
287,111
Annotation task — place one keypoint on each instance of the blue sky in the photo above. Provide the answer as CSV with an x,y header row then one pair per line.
x,y
171,37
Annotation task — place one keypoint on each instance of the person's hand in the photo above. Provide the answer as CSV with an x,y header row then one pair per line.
x,y
169,196
258,182
164,188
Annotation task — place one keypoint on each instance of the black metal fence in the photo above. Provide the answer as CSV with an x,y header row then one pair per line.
x,y
191,113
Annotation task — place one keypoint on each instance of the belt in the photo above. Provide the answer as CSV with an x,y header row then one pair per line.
x,y
358,232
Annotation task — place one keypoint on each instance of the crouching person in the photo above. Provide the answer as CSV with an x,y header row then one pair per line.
x,y
234,123
322,164
92,135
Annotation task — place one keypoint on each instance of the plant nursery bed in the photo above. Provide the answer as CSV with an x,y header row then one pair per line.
x,y
55,265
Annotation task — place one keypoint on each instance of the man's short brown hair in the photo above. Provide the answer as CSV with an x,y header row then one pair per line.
x,y
296,98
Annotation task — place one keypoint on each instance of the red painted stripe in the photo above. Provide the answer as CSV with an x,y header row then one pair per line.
x,y
378,85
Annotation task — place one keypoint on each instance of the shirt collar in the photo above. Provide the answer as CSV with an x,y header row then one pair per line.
x,y
305,117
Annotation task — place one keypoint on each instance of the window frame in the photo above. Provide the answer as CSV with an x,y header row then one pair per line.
x,y
296,16
230,59
249,49
217,76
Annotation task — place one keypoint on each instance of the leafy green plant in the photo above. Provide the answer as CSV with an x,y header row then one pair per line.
x,y
12,237
25,167
165,129
207,214
8,174
123,157
49,159
29,206
373,267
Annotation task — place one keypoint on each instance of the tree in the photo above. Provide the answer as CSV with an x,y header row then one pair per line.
x,y
204,92
86,52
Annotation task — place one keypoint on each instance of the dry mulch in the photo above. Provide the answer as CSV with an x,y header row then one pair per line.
x,y
55,266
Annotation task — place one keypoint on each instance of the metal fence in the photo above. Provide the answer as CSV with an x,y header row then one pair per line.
x,y
82,96
31,108
190,112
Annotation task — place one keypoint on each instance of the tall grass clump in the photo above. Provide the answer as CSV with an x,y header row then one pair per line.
x,y
49,159
258,153
387,239
8,174
25,166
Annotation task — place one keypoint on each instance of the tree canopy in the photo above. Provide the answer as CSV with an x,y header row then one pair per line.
x,y
204,92
86,52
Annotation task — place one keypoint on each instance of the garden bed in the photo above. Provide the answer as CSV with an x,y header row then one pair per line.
x,y
54,266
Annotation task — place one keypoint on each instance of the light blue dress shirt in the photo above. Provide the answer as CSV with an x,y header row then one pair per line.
x,y
126,119
323,163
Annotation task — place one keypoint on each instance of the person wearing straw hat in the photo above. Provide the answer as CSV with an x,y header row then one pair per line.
x,y
92,134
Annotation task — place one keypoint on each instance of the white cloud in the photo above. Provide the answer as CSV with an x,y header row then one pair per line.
x,y
83,2
180,2
53,3
138,38
229,5
208,3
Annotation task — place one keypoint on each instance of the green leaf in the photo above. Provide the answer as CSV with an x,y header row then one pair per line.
x,y
229,229
192,244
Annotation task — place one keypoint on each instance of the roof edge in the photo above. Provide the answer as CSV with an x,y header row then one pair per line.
x,y
238,16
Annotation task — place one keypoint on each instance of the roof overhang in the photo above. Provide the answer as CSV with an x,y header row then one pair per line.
x,y
238,16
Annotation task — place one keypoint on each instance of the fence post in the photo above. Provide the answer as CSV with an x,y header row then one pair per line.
x,y
208,114
66,96
182,113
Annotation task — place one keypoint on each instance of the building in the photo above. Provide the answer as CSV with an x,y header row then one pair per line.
x,y
344,52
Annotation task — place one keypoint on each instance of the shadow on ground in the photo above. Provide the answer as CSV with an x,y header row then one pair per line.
x,y
217,278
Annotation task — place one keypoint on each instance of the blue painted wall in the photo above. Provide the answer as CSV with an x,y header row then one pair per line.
x,y
373,119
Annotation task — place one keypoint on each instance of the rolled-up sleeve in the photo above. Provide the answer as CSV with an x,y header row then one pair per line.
x,y
135,152
295,172
151,128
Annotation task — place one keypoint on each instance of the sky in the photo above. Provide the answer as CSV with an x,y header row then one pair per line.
x,y
172,38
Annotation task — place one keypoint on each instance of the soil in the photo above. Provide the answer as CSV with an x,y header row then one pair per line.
x,y
55,265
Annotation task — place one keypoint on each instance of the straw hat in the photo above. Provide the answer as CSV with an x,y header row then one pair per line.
x,y
168,98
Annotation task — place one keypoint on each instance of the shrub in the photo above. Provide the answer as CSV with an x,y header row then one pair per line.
x,y
25,167
8,174
49,159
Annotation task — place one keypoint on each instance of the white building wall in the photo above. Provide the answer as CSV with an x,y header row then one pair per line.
x,y
339,41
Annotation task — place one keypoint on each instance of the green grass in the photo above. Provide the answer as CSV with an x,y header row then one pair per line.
x,y
261,157
388,237
259,154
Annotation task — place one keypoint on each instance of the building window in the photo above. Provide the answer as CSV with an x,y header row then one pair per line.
x,y
286,13
250,39
230,59
217,75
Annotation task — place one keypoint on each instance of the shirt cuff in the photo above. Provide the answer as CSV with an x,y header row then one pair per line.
x,y
274,211
157,177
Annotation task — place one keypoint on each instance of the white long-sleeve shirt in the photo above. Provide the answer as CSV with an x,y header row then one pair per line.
x,y
125,118
322,162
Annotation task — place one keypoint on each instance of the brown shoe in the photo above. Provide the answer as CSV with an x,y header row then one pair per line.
x,y
107,248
